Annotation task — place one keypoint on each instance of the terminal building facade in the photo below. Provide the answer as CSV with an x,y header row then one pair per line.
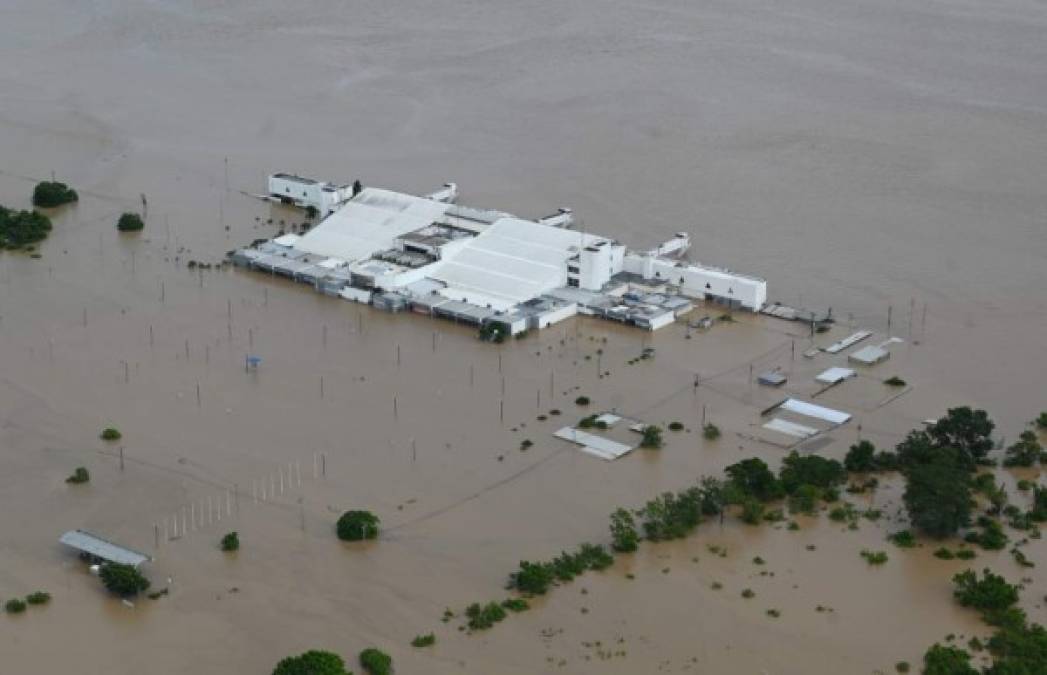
x,y
479,266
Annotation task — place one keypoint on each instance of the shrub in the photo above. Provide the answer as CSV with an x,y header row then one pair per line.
x,y
427,640
1025,452
941,660
624,537
231,542
312,662
130,222
110,434
966,554
14,606
515,604
805,499
483,617
710,432
902,666
675,426
80,475
652,437
944,554
582,400
860,458
903,539
992,536
122,579
752,511
50,194
748,594
38,598
990,595
533,578
357,526
874,557
894,381
1041,421
19,228
376,662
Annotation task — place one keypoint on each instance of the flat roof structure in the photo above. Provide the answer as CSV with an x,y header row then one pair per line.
x,y
869,356
834,375
510,262
771,378
592,444
848,341
818,412
102,549
369,223
790,428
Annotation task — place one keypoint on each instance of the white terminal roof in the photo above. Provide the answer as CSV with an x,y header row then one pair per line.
x,y
369,223
510,262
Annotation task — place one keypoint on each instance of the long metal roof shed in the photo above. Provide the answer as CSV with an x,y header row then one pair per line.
x,y
100,548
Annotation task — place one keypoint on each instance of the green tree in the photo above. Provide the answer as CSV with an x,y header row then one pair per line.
x,y
752,477
1018,650
990,594
19,228
965,429
813,470
861,457
376,662
130,222
938,497
533,578
231,542
805,499
1025,452
49,194
624,537
357,526
123,579
652,437
313,662
920,448
941,660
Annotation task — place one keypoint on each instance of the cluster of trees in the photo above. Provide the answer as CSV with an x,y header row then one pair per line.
x,y
21,228
1017,647
535,578
1026,452
50,194
318,662
357,526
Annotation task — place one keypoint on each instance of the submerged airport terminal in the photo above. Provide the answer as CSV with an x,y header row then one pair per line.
x,y
483,267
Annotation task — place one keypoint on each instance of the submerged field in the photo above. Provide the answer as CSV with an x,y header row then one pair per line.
x,y
851,155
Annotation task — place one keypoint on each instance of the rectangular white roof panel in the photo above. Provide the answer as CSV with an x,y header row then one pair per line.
x,y
852,339
790,428
593,444
834,375
370,223
816,411
102,548
510,262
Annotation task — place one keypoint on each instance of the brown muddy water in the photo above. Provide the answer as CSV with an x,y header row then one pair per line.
x,y
857,155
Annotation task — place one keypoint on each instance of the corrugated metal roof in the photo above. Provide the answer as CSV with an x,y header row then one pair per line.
x,y
102,548
816,411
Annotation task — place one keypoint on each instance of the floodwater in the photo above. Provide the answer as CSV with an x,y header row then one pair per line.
x,y
858,156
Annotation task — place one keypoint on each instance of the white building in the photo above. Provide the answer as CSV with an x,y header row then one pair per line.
x,y
305,192
481,266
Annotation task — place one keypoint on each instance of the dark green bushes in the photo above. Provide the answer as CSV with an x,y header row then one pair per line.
x,y
123,580
482,617
313,662
427,640
624,537
376,662
20,228
38,598
710,431
79,475
50,194
231,542
1025,452
130,222
357,526
535,578
14,606
110,434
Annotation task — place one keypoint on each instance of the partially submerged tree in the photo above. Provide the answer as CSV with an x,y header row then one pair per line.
x,y
376,662
938,497
19,228
79,475
752,477
50,194
861,457
231,542
122,579
357,526
652,437
313,662
130,222
624,537
1025,452
941,660
965,429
